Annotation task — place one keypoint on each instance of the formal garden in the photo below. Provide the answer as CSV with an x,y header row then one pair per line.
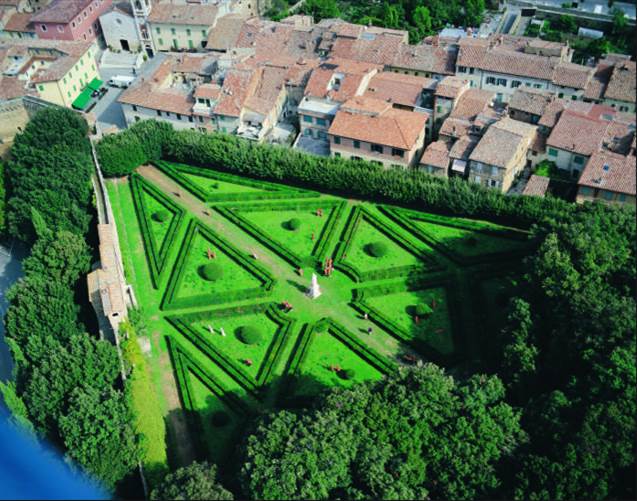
x,y
222,267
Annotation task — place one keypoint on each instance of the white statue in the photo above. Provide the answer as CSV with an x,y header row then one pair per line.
x,y
210,329
222,332
314,291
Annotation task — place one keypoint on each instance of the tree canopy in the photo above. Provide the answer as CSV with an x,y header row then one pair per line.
x,y
196,481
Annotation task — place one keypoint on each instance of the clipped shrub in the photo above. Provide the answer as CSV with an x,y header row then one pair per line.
x,y
161,216
249,334
293,224
347,374
376,249
211,272
423,310
220,419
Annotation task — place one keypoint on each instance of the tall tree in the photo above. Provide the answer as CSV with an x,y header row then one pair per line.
x,y
97,433
196,481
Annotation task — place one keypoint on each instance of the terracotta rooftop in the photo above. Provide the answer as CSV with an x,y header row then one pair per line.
x,y
622,85
463,147
426,58
188,14
225,33
60,11
362,119
577,133
532,101
436,154
572,75
270,83
502,141
20,22
471,103
610,171
237,87
322,82
396,88
536,186
207,91
451,87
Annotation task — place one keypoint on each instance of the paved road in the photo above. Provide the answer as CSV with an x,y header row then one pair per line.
x,y
10,271
108,111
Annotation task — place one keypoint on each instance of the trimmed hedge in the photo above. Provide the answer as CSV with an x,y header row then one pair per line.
x,y
323,241
169,300
293,224
411,188
229,364
161,216
302,348
376,249
156,256
359,214
404,218
269,190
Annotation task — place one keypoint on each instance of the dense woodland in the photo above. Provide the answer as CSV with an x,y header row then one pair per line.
x,y
551,415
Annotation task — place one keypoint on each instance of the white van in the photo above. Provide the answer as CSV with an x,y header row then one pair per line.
x,y
121,81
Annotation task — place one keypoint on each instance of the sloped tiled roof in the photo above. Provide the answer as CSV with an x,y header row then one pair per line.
x,y
436,154
20,22
188,14
426,58
577,133
622,85
353,73
610,171
361,119
60,11
536,186
471,103
396,88
223,36
531,101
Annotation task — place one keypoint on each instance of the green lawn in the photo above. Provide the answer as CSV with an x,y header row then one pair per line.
x,y
206,373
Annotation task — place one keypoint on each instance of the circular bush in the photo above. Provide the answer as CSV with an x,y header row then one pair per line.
x,y
220,419
347,374
249,334
376,249
211,272
161,216
293,224
214,186
423,310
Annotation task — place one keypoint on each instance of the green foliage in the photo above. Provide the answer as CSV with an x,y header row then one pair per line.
x,y
143,400
2,196
250,334
62,257
293,224
50,171
161,216
98,434
220,419
376,249
120,154
321,9
348,374
197,481
416,435
423,310
15,405
211,272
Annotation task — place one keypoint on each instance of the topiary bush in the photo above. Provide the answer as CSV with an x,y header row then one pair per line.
x,y
249,334
347,374
161,216
293,224
423,310
376,249
211,272
220,419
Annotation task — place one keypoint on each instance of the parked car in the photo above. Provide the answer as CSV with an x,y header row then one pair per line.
x,y
121,81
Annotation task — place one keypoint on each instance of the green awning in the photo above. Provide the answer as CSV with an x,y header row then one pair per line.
x,y
82,100
95,84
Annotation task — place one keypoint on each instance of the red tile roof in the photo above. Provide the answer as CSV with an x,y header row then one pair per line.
x,y
374,121
622,85
610,171
536,186
21,22
436,154
60,11
396,88
189,14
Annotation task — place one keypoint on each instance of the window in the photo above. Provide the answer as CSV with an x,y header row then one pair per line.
x,y
201,120
68,93
175,43
85,14
491,80
578,160
608,195
337,140
320,121
73,24
64,80
60,28
462,69
515,84
134,108
537,86
190,119
43,27
307,118
158,30
502,82
161,42
158,113
493,183
494,170
118,21
190,45
621,197
172,30
41,87
585,190
552,152
377,148
203,33
188,32
573,97
90,31
397,152
438,109
560,95
471,72
353,157
178,116
337,154
357,144
321,134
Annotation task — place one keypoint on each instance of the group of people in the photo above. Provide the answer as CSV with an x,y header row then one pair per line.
x,y
328,267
